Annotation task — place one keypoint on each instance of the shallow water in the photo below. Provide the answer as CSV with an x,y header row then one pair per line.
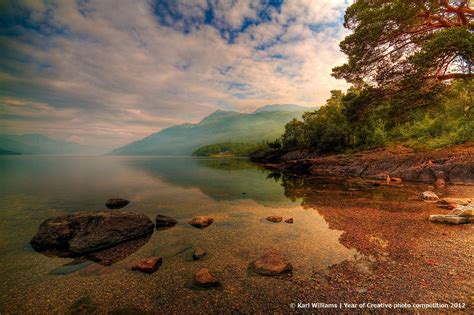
x,y
236,193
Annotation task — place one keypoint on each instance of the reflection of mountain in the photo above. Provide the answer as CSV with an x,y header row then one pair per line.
x,y
40,144
267,123
220,179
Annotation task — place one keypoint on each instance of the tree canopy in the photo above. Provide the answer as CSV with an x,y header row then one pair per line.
x,y
397,43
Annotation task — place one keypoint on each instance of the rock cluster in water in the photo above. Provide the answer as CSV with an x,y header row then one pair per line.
x,y
461,213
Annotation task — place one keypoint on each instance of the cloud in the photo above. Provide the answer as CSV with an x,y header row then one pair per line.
x,y
110,72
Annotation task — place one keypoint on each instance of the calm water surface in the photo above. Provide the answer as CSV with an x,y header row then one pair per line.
x,y
237,194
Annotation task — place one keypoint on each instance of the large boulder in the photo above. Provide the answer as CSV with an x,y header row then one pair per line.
x,y
86,232
271,264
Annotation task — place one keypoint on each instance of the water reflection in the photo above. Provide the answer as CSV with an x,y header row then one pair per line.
x,y
104,257
220,179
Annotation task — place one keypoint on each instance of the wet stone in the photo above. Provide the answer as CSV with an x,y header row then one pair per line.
x,y
116,203
429,196
274,218
149,265
83,306
449,219
273,263
204,278
198,253
164,222
201,222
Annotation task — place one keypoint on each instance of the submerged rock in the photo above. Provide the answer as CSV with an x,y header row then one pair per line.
x,y
71,267
429,196
449,219
83,305
164,222
198,253
87,232
289,220
274,218
149,265
204,278
116,203
201,222
271,264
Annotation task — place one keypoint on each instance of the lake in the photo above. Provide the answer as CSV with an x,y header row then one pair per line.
x,y
236,193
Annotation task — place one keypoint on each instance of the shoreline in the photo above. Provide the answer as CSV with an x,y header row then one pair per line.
x,y
450,165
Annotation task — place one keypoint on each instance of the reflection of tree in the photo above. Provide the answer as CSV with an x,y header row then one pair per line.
x,y
371,217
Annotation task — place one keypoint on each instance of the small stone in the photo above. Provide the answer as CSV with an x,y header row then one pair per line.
x,y
290,220
429,196
148,265
201,222
198,253
457,201
83,305
164,222
116,203
271,264
450,219
204,278
274,218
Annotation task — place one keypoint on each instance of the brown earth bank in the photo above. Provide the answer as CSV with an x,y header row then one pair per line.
x,y
454,164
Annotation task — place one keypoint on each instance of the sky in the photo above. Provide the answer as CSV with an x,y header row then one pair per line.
x,y
108,72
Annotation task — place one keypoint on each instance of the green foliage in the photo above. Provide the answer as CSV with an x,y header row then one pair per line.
x,y
339,126
229,149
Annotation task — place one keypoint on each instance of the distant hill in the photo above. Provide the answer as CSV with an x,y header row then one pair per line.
x,y
266,123
7,152
40,144
285,107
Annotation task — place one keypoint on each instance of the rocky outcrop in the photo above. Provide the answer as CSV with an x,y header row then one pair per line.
x,y
271,264
86,232
461,214
449,165
116,203
201,222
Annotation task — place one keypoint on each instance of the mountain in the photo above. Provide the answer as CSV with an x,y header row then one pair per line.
x,y
7,152
266,123
40,144
285,107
